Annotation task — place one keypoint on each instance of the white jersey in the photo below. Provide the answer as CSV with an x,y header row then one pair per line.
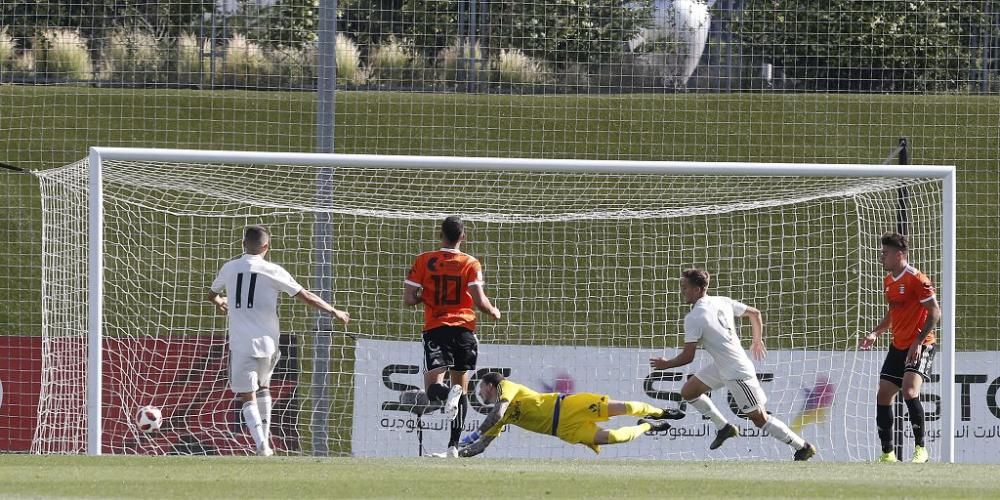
x,y
711,323
252,285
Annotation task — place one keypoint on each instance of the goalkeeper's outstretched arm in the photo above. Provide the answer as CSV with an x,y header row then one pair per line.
x,y
478,446
481,439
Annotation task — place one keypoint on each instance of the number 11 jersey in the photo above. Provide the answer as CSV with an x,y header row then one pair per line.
x,y
252,285
445,276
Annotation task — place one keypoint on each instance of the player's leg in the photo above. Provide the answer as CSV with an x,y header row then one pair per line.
x,y
750,398
627,433
913,378
642,409
623,434
460,386
437,361
434,384
435,366
577,417
252,419
777,429
243,380
884,418
694,393
890,380
464,353
265,404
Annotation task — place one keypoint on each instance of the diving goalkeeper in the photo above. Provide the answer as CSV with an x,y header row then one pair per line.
x,y
570,417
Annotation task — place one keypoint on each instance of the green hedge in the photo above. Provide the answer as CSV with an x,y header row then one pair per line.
x,y
884,46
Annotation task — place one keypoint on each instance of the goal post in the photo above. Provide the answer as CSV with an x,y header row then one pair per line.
x,y
543,229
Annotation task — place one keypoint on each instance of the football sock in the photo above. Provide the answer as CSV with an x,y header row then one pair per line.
x,y
252,418
916,411
264,408
459,422
626,434
437,392
778,430
883,420
640,409
707,408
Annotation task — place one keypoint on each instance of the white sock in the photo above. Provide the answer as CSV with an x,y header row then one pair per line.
x,y
706,407
264,408
778,430
252,418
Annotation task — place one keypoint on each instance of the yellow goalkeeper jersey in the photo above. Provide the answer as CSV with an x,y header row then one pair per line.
x,y
528,409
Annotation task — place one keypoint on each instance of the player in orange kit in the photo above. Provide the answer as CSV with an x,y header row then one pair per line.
x,y
913,311
448,283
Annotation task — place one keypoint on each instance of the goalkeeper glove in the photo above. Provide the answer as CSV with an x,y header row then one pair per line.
x,y
469,439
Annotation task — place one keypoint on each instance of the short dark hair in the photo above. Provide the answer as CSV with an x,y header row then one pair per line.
x,y
255,237
492,378
696,277
452,228
895,240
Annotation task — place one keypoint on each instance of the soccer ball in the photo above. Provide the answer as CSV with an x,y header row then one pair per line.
x,y
149,419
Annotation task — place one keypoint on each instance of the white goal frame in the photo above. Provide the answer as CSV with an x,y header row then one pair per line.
x,y
98,155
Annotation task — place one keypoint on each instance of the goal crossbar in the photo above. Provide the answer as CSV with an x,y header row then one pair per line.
x,y
97,155
521,164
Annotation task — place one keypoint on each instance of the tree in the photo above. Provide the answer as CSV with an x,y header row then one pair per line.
x,y
567,31
557,31
847,45
95,18
285,23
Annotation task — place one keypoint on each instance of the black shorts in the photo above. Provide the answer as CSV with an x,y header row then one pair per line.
x,y
452,346
895,364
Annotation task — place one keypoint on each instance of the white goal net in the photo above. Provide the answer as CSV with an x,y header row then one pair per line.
x,y
582,258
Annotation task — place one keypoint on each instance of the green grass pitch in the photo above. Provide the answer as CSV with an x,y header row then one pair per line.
x,y
250,477
45,126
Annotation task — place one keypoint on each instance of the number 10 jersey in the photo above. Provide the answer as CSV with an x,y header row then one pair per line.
x,y
445,276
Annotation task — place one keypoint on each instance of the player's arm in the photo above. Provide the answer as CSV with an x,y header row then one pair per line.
x,y
933,316
478,446
685,357
482,301
483,440
316,302
412,294
412,284
868,340
220,302
757,348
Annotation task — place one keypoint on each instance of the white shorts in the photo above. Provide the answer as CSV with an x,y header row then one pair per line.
x,y
248,374
748,394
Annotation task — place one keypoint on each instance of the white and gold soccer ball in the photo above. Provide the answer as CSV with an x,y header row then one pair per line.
x,y
149,419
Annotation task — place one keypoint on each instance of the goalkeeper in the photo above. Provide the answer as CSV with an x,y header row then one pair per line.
x,y
570,417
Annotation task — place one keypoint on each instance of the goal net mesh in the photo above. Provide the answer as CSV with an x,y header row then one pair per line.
x,y
584,267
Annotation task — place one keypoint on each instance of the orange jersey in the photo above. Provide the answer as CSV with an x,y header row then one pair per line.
x,y
445,276
906,295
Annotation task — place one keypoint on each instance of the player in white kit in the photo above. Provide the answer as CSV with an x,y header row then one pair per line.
x,y
711,323
251,285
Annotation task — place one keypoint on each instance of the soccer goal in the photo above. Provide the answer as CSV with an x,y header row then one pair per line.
x,y
582,257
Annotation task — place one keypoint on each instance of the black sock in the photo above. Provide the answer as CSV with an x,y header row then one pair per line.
x,y
459,422
883,419
916,411
437,392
